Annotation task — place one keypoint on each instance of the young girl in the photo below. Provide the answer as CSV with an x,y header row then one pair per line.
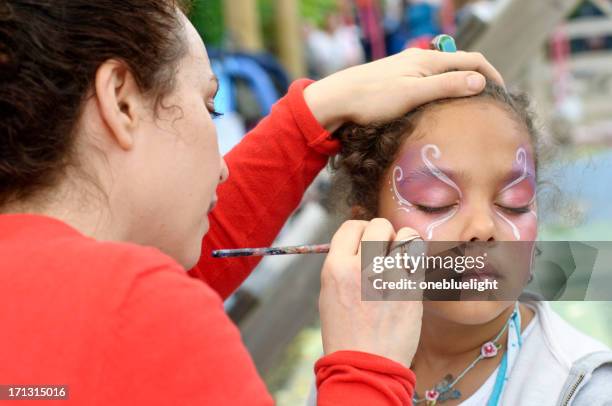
x,y
465,170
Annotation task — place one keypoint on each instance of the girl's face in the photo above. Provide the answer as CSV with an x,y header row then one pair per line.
x,y
466,174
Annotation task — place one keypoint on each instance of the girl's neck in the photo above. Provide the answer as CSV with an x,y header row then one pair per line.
x,y
444,342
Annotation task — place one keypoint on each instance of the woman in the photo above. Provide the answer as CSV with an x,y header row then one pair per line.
x,y
109,167
477,185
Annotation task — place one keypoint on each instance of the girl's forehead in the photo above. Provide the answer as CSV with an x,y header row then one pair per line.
x,y
476,129
479,140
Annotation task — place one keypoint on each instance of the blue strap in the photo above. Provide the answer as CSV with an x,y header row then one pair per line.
x,y
500,381
502,374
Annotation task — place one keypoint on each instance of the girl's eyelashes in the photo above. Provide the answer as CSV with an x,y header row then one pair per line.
x,y
515,210
433,210
442,209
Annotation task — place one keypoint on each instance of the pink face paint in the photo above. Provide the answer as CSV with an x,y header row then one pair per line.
x,y
424,191
414,187
519,193
434,169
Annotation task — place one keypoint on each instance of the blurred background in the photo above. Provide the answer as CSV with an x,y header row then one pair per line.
x,y
558,51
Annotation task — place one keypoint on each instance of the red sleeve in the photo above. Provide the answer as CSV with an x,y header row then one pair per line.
x,y
171,343
358,378
269,172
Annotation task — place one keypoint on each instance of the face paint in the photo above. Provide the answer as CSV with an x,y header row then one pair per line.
x,y
434,170
517,188
407,206
398,176
515,230
431,187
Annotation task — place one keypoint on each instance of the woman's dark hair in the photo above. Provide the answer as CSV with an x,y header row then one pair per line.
x,y
50,51
368,151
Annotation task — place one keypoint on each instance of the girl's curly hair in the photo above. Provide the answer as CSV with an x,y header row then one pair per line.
x,y
368,151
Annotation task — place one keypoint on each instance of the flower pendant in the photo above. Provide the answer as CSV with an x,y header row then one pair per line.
x,y
431,396
489,350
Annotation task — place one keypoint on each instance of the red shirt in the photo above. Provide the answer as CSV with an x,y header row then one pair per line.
x,y
122,324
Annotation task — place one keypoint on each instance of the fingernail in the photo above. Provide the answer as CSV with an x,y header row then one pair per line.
x,y
475,82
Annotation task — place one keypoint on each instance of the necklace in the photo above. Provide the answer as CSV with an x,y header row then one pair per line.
x,y
444,390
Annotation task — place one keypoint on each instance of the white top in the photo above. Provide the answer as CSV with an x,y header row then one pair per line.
x,y
482,395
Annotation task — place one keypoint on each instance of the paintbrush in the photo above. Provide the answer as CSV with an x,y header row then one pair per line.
x,y
258,252
287,250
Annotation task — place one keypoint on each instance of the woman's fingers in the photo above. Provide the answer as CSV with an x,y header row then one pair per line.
x,y
406,234
442,86
348,322
441,62
388,88
346,241
380,230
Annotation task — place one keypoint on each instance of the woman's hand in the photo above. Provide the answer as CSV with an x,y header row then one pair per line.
x,y
387,328
388,88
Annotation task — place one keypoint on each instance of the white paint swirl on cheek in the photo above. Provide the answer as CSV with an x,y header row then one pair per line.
x,y
515,230
439,222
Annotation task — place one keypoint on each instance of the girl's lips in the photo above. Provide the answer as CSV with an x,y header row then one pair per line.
x,y
488,272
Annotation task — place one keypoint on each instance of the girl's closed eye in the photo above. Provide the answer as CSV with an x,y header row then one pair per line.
x,y
430,197
518,200
515,210
434,209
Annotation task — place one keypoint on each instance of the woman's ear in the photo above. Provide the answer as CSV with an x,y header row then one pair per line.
x,y
119,101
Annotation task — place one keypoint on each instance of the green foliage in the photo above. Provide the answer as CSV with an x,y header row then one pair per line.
x,y
268,23
312,11
315,11
207,17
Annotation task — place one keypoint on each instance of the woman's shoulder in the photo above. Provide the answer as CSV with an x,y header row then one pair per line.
x,y
45,253
34,240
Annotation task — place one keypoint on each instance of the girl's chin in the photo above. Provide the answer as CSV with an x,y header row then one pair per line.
x,y
467,312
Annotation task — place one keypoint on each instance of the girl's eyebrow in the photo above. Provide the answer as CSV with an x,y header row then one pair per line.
x,y
424,173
